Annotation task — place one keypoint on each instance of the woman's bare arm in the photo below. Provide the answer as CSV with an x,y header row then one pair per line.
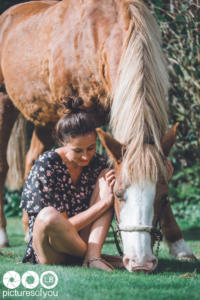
x,y
104,193
88,216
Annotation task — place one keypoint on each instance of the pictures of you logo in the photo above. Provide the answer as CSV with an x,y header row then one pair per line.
x,y
30,280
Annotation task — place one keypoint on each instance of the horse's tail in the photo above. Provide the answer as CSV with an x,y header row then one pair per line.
x,y
16,154
139,109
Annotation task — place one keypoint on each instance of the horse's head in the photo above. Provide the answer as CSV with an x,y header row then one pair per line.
x,y
138,206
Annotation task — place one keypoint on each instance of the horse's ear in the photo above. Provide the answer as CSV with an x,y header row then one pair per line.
x,y
113,147
169,139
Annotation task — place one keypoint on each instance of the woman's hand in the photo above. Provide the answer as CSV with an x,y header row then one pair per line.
x,y
106,185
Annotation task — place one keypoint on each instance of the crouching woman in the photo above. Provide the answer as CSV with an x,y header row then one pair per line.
x,y
68,196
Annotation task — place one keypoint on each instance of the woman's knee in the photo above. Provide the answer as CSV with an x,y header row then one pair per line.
x,y
47,217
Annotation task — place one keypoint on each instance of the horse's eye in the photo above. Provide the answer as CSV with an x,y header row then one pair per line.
x,y
119,195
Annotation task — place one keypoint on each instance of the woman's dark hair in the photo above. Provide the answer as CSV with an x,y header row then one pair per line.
x,y
77,122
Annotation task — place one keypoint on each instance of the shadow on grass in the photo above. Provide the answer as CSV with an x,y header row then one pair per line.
x,y
177,266
192,234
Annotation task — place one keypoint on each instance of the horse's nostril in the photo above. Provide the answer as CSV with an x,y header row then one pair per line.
x,y
154,261
126,261
152,264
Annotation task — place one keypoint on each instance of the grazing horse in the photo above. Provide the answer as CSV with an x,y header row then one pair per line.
x,y
107,52
140,206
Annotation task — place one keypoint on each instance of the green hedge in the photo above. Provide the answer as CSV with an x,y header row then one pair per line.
x,y
180,27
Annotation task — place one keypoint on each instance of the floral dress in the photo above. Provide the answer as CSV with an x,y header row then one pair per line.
x,y
49,184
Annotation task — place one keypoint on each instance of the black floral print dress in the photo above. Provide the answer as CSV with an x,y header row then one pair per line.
x,y
49,184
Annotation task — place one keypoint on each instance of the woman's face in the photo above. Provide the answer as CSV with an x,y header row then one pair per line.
x,y
81,149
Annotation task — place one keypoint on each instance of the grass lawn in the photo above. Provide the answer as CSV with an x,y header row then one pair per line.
x,y
173,279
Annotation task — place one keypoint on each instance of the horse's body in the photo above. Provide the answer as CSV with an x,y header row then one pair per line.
x,y
100,49
39,69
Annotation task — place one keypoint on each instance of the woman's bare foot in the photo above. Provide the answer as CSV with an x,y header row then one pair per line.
x,y
115,261
98,263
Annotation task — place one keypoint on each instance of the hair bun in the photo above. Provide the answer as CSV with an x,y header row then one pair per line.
x,y
73,104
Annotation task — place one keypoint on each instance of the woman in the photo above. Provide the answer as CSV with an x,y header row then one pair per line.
x,y
68,196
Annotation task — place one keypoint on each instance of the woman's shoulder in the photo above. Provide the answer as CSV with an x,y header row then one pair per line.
x,y
49,156
48,159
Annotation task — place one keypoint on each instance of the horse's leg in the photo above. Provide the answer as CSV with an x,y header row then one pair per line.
x,y
8,115
173,235
41,141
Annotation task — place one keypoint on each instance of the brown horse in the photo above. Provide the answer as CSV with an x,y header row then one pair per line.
x,y
107,52
142,209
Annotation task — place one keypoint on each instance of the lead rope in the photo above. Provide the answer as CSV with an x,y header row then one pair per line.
x,y
158,237
117,244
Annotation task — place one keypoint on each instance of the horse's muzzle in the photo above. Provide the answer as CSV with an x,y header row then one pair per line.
x,y
147,264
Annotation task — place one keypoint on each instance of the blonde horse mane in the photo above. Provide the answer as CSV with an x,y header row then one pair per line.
x,y
139,109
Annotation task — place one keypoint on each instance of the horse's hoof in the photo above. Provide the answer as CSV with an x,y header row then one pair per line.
x,y
3,238
181,251
190,258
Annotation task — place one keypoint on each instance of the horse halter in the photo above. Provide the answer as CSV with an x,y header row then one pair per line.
x,y
154,231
